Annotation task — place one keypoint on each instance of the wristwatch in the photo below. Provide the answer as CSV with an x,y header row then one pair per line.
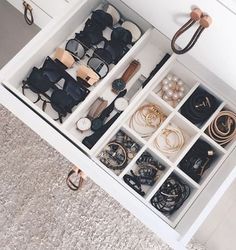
x,y
122,103
119,84
119,103
84,123
98,122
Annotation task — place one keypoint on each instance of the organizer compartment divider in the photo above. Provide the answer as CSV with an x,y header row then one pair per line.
x,y
104,84
141,96
195,134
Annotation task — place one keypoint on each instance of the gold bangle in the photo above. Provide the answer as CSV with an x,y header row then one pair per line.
x,y
170,148
148,116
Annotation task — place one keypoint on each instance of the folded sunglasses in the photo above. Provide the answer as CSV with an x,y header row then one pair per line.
x,y
62,99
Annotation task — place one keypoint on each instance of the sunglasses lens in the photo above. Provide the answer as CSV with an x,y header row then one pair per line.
x,y
115,49
75,90
74,47
133,29
37,82
98,66
104,54
95,37
61,102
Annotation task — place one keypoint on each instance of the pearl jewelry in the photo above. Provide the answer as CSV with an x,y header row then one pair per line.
x,y
181,89
169,93
169,77
165,98
165,88
165,81
175,96
181,95
180,83
175,78
172,89
171,85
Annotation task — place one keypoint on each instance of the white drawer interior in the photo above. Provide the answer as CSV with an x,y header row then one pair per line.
x,y
149,50
191,132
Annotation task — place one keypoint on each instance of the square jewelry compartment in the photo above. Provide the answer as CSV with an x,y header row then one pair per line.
x,y
222,127
191,134
145,173
119,151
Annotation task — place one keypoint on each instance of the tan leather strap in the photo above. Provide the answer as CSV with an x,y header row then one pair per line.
x,y
131,70
64,57
75,172
204,21
96,108
87,74
223,128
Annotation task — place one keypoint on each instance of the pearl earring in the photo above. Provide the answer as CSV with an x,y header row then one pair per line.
x,y
172,89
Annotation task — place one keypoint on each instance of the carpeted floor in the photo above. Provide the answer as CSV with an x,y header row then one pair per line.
x,y
37,210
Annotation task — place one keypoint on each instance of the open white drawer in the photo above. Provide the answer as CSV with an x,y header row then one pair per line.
x,y
178,228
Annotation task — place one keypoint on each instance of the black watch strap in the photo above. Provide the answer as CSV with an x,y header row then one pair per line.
x,y
98,122
91,140
156,69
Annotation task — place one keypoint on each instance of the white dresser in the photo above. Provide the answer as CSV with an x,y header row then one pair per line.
x,y
44,11
209,65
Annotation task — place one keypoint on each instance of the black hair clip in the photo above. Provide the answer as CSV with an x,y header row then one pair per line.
x,y
134,182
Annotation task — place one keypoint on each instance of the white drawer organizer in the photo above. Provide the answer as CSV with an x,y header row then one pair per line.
x,y
177,229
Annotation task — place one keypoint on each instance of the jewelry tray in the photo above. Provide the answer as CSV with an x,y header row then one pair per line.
x,y
149,50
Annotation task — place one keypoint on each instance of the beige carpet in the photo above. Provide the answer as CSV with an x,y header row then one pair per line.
x,y
38,211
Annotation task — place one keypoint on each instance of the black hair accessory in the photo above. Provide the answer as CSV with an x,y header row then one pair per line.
x,y
147,173
197,160
134,182
171,195
199,107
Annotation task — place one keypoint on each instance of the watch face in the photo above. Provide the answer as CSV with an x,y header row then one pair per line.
x,y
83,124
121,104
96,124
118,85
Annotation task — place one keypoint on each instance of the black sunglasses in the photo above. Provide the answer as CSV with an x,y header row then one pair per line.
x,y
62,99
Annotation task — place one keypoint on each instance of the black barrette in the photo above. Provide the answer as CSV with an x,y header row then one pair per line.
x,y
134,182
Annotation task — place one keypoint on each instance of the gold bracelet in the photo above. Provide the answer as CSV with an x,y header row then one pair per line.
x,y
169,147
146,119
